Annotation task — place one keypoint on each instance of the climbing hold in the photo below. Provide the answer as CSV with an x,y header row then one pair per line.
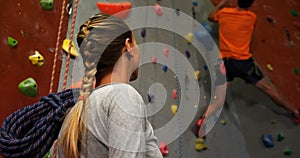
x,y
177,11
153,60
194,12
205,67
280,137
165,68
294,13
47,155
195,3
166,52
188,54
28,87
189,37
296,71
267,140
297,24
297,35
223,122
37,59
204,38
47,4
197,75
222,69
174,93
199,141
273,121
158,9
119,9
207,27
12,42
174,108
287,152
143,32
163,147
200,146
270,19
269,67
66,45
150,98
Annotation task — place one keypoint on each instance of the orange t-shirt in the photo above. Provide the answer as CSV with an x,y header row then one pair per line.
x,y
235,32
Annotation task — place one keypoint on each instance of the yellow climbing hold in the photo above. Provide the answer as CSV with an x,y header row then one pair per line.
x,y
199,141
174,108
200,146
223,122
189,37
197,75
65,47
37,59
269,67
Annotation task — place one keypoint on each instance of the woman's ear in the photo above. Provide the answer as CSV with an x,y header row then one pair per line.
x,y
128,46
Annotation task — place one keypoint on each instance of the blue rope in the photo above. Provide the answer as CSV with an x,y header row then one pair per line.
x,y
31,131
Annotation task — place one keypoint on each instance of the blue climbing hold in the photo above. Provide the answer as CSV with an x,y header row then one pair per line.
x,y
177,11
165,68
143,33
150,98
195,3
267,140
205,67
188,54
207,27
204,38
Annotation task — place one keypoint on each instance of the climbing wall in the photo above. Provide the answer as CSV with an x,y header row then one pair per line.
x,y
276,44
35,29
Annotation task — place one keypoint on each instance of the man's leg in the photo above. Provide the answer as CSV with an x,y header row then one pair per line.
x,y
268,88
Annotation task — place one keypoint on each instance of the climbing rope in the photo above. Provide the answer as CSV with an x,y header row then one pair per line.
x,y
31,131
57,45
178,90
70,44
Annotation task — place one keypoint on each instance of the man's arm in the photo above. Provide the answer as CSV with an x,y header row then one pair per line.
x,y
220,5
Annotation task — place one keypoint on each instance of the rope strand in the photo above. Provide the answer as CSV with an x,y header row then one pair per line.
x,y
70,44
57,45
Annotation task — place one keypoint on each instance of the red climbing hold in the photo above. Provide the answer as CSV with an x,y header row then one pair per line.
x,y
174,93
297,24
120,9
166,52
164,149
158,9
153,60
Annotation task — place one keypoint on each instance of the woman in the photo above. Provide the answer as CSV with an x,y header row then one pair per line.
x,y
109,121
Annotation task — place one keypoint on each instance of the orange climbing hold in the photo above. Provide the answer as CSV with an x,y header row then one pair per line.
x,y
120,9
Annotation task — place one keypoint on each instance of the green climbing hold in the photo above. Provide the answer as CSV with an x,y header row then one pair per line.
x,y
28,87
47,155
12,42
288,152
294,13
280,137
47,4
296,71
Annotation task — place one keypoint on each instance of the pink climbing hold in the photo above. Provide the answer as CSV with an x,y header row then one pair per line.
x,y
166,52
174,93
158,9
222,69
153,60
164,149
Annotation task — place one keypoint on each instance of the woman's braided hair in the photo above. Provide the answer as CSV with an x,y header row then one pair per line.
x,y
101,40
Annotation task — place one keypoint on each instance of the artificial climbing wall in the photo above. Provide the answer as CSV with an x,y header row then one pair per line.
x,y
35,29
276,43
